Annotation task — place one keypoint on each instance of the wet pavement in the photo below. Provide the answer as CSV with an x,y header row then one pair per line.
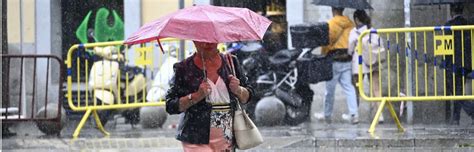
x,y
310,136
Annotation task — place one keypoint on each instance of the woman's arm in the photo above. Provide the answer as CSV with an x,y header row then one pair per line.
x,y
352,42
178,98
189,100
174,94
245,92
242,93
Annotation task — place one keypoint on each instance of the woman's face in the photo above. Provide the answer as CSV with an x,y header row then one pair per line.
x,y
205,46
357,22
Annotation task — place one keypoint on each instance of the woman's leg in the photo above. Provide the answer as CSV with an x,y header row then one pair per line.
x,y
187,147
217,142
376,91
355,79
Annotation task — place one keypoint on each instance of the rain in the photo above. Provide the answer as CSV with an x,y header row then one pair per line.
x,y
281,75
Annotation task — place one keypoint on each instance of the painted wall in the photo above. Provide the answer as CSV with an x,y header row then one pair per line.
x,y
14,21
153,9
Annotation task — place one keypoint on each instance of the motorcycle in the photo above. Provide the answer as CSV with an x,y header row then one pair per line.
x,y
252,57
279,96
105,82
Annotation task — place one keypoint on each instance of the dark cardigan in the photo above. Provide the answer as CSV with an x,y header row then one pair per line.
x,y
194,124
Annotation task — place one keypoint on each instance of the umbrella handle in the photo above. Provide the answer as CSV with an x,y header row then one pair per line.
x,y
161,47
204,72
203,67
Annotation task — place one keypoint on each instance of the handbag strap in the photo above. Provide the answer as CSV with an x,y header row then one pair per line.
x,y
230,63
230,66
239,107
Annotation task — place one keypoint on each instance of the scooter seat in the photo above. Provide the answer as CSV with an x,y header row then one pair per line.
x,y
132,71
123,76
283,57
280,58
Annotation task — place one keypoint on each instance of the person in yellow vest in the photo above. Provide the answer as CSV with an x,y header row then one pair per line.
x,y
339,29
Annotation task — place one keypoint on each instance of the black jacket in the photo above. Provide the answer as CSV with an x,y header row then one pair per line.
x,y
458,48
194,125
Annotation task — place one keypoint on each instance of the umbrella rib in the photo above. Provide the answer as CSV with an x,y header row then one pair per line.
x,y
246,23
164,27
253,30
212,23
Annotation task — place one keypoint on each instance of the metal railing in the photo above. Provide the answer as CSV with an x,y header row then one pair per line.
x,y
426,68
27,69
123,94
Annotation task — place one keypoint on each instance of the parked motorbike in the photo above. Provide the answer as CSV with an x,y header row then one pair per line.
x,y
253,58
105,82
279,96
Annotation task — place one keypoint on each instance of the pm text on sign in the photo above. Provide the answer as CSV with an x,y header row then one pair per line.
x,y
444,44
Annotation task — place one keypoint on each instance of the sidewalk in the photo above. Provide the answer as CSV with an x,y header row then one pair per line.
x,y
310,136
388,136
125,138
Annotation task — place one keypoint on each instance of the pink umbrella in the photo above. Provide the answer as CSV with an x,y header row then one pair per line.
x,y
205,23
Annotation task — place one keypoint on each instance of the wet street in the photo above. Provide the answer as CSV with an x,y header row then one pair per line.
x,y
310,136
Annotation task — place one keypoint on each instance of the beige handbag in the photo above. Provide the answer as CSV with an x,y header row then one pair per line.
x,y
246,133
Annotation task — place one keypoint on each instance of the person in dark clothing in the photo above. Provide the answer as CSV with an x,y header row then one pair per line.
x,y
205,94
455,65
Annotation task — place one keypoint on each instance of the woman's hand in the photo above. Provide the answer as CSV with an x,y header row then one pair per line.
x,y
239,91
234,85
203,91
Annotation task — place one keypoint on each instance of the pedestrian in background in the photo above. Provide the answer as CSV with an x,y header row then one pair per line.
x,y
454,63
339,29
205,94
363,22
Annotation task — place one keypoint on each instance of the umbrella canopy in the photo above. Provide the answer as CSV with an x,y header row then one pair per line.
x,y
439,2
356,4
204,23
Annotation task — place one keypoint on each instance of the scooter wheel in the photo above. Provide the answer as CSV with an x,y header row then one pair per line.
x,y
152,117
296,115
269,111
104,116
51,127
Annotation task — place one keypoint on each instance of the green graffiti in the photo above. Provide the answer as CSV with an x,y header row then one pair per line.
x,y
81,32
102,31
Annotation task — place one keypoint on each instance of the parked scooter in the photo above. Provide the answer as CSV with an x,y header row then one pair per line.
x,y
152,117
104,79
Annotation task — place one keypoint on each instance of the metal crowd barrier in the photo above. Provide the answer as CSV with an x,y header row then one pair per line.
x,y
418,57
33,74
146,56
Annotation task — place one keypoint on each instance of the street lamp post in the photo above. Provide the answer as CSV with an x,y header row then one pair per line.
x,y
409,62
181,42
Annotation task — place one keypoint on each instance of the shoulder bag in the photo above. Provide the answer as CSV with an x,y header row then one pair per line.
x,y
245,132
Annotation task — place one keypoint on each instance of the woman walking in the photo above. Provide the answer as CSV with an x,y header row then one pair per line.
x,y
363,22
205,94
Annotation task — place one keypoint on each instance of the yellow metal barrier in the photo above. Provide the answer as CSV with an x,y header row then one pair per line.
x,y
433,53
111,91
